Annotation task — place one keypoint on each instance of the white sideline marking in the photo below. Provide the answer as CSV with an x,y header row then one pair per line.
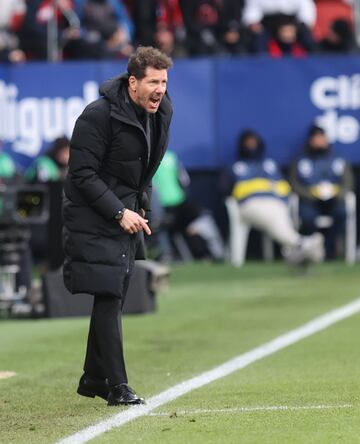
x,y
6,374
270,408
293,336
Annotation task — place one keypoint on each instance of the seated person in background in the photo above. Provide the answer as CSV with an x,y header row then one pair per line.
x,y
74,40
262,193
264,16
159,23
51,166
285,40
340,38
321,179
197,226
213,26
11,16
110,21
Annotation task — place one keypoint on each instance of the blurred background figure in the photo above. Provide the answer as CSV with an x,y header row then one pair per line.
x,y
12,13
262,193
52,165
321,178
182,216
159,23
263,18
285,40
109,21
340,38
84,29
213,27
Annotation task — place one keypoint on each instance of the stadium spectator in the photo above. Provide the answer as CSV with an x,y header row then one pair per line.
x,y
262,18
73,41
51,166
257,184
11,16
340,38
266,12
321,178
159,23
284,41
109,20
213,27
183,216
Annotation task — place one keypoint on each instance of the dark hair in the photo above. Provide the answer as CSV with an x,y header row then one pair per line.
x,y
342,28
144,57
314,130
57,146
242,152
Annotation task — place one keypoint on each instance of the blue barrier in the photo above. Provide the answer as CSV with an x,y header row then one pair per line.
x,y
214,99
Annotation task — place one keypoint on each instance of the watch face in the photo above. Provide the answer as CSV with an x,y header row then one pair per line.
x,y
119,215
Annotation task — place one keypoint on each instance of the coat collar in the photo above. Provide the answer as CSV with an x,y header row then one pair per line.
x,y
115,91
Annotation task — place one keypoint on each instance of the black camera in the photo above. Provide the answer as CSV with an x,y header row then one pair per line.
x,y
20,206
23,204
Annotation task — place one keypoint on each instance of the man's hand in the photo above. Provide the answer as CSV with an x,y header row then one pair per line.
x,y
132,222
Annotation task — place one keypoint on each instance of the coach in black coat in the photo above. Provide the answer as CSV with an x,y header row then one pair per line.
x,y
116,147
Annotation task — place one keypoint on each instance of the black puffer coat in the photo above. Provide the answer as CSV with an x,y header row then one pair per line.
x,y
107,171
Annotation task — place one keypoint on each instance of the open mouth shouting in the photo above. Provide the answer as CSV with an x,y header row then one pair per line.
x,y
154,102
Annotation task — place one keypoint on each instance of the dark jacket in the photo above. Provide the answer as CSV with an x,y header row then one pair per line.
x,y
309,170
108,170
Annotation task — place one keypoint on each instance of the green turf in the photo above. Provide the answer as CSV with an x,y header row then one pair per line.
x,y
209,314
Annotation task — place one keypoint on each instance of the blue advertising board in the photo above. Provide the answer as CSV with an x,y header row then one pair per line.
x,y
214,100
282,98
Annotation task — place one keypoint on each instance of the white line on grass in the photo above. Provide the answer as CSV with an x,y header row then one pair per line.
x,y
6,374
292,337
270,408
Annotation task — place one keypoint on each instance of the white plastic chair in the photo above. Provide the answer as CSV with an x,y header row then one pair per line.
x,y
322,222
239,235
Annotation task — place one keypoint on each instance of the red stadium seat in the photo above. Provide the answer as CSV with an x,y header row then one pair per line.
x,y
327,12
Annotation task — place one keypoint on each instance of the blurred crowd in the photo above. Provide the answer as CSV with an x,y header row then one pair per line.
x,y
110,29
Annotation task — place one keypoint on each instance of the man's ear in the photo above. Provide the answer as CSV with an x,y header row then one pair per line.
x,y
132,83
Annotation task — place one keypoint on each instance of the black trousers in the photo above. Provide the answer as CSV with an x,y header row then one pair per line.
x,y
104,354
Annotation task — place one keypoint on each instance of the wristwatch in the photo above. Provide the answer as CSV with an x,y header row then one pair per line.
x,y
119,215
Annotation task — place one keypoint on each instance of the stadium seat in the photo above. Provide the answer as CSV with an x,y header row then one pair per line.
x,y
323,222
327,12
239,236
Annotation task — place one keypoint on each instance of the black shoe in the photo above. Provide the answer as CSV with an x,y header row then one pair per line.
x,y
91,387
123,394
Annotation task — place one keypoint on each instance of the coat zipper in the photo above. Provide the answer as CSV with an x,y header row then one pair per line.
x,y
128,257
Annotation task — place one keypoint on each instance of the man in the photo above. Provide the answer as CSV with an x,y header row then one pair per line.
x,y
116,147
263,17
321,178
182,215
262,193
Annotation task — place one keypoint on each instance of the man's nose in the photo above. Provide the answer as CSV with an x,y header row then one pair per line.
x,y
160,89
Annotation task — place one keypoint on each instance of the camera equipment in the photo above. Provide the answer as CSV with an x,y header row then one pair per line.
x,y
20,206
23,204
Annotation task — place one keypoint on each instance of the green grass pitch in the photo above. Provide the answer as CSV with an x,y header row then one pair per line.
x,y
209,314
